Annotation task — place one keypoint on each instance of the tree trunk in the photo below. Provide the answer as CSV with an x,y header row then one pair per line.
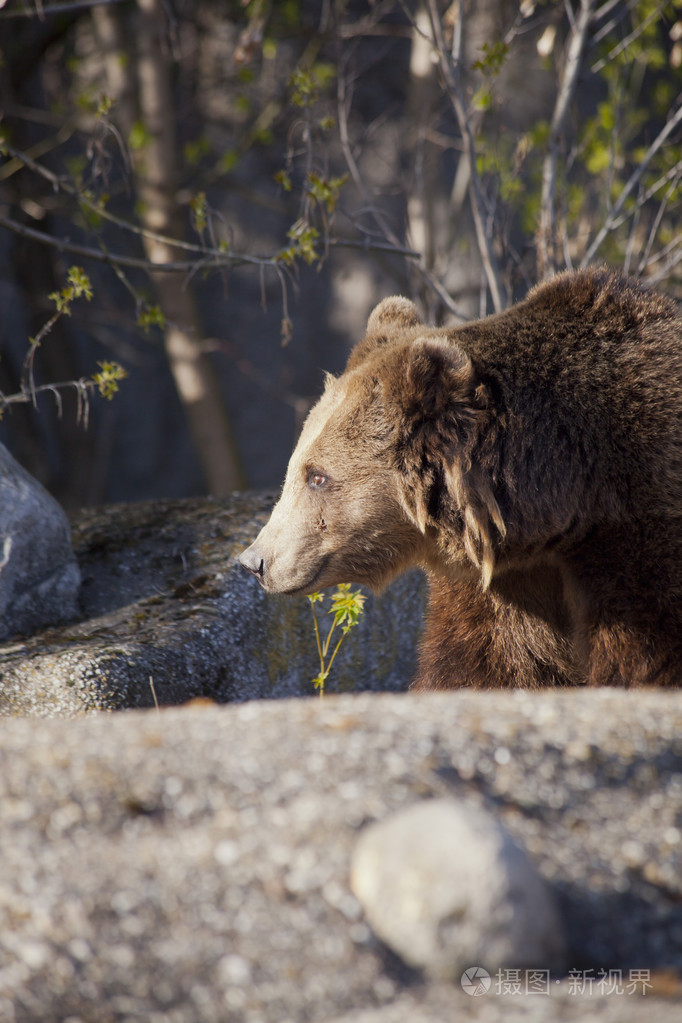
x,y
157,177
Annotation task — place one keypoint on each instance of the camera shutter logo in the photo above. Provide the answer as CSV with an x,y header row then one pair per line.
x,y
476,981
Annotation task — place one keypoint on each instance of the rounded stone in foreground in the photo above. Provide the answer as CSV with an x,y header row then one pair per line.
x,y
445,887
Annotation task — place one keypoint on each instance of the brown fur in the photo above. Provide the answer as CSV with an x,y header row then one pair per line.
x,y
531,462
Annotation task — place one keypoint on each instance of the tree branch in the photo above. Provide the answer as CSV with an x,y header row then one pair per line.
x,y
212,259
612,219
379,217
27,397
599,65
41,11
546,241
450,66
59,184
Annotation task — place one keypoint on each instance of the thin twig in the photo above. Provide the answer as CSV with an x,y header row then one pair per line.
x,y
670,175
207,253
666,250
450,67
151,686
58,183
40,11
599,65
545,238
382,222
631,183
632,236
220,259
664,271
82,386
622,10
671,190
606,8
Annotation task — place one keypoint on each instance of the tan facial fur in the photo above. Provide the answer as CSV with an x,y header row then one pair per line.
x,y
352,526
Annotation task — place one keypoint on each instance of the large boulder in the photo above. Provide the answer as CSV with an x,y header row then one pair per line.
x,y
194,864
167,614
39,576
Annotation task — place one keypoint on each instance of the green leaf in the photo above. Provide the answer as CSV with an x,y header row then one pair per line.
x,y
80,282
482,99
229,160
78,287
108,378
151,316
199,208
283,179
104,105
303,238
347,607
325,191
139,136
493,59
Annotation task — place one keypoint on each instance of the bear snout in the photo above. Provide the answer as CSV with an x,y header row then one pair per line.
x,y
251,560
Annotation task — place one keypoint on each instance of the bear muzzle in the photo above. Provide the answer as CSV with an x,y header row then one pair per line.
x,y
251,560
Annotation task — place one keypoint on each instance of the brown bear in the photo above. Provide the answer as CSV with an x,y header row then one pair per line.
x,y
530,462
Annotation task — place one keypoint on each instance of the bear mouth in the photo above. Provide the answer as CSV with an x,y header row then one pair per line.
x,y
311,584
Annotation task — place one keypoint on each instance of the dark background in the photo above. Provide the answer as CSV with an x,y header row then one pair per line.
x,y
228,66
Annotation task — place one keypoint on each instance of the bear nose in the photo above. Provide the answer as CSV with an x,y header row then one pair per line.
x,y
251,560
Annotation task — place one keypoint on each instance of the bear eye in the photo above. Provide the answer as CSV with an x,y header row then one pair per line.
x,y
316,480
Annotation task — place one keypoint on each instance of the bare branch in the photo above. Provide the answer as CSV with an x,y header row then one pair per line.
x,y
450,68
621,9
41,11
612,219
211,260
382,222
60,184
546,235
599,65
606,8
670,191
632,237
27,397
670,175
671,262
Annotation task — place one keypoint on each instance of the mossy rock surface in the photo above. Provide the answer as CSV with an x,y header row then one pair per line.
x,y
165,611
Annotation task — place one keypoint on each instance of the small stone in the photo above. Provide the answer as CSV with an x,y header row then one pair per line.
x,y
444,886
234,970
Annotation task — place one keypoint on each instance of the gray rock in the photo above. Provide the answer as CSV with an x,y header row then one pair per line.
x,y
444,885
192,865
39,576
163,599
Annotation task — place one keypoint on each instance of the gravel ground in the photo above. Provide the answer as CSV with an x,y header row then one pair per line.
x,y
192,864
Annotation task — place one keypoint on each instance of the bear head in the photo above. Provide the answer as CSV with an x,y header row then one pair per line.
x,y
385,473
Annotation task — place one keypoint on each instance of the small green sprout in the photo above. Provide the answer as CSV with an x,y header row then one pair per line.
x,y
79,285
325,191
199,208
151,316
348,609
304,238
108,378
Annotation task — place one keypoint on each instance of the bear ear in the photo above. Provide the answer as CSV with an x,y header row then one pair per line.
x,y
442,408
438,380
386,323
432,390
394,313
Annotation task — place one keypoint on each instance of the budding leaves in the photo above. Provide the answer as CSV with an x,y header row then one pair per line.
x,y
348,609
